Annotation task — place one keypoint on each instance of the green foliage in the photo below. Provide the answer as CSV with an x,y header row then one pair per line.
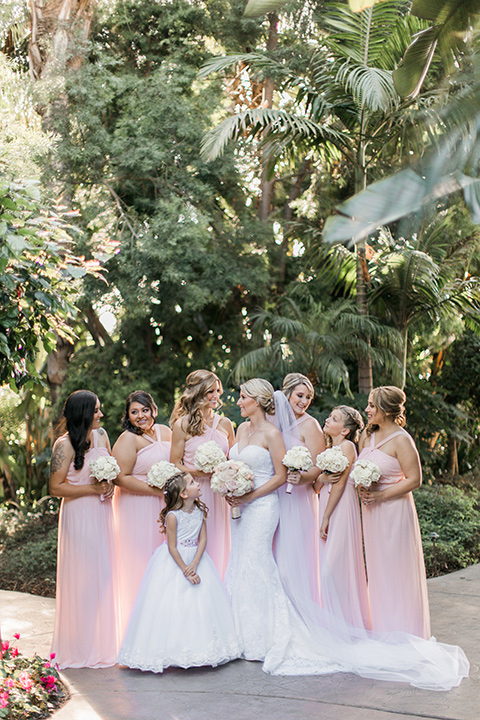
x,y
453,514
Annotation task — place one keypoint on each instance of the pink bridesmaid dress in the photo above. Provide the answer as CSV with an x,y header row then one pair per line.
x,y
85,632
393,550
218,523
343,580
137,528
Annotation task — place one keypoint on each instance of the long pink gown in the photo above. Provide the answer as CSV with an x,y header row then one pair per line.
x,y
85,632
137,528
393,550
342,570
218,535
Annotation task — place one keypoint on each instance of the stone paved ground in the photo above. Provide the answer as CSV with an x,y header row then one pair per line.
x,y
242,691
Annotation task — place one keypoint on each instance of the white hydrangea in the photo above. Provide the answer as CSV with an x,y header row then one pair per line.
x,y
161,472
298,458
365,472
208,456
104,467
332,460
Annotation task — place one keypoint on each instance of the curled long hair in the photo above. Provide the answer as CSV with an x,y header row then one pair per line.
x,y
78,413
173,490
144,399
193,399
293,380
352,421
390,400
261,391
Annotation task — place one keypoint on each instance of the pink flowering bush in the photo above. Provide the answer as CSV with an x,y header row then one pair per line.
x,y
29,687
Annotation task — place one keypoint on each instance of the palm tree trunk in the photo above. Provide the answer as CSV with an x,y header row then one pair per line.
x,y
267,185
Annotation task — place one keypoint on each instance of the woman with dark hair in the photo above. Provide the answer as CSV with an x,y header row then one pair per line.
x,y
137,505
393,545
85,633
194,422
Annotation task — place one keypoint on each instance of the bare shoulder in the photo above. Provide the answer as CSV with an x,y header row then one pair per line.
x,y
225,423
311,425
171,521
62,454
165,433
102,438
363,440
126,441
348,449
404,443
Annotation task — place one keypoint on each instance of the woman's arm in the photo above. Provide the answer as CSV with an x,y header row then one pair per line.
x,y
407,455
171,525
315,441
226,426
337,489
179,438
125,453
62,456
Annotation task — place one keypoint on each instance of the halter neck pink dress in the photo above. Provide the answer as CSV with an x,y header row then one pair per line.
x,y
218,525
137,528
85,632
393,550
342,570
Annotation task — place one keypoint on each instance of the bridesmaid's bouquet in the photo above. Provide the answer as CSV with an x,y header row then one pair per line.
x,y
297,458
208,456
365,472
103,468
233,478
332,460
161,472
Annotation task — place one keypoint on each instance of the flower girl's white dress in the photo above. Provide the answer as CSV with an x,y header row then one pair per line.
x,y
174,622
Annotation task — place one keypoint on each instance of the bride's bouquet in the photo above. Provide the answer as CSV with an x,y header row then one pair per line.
x,y
105,467
208,456
234,478
161,472
365,472
297,458
332,460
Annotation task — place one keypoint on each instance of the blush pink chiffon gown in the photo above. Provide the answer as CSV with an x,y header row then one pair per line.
x,y
137,528
393,550
343,580
218,535
85,632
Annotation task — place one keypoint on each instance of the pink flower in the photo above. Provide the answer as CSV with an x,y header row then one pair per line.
x,y
17,636
25,680
14,652
5,646
52,656
3,700
46,664
9,682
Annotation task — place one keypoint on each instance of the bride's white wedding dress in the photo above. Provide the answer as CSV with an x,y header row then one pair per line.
x,y
300,639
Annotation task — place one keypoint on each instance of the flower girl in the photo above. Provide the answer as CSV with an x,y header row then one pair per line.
x,y
181,616
342,570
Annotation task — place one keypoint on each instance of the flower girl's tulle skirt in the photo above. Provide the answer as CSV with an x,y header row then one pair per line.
x,y
175,623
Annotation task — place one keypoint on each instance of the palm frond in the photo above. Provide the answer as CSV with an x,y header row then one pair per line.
x,y
370,87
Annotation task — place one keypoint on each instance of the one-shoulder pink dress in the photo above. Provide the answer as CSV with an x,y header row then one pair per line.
x,y
343,580
218,526
137,528
393,551
85,632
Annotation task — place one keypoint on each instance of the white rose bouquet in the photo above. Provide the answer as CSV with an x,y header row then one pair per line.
x,y
161,472
332,460
365,472
234,478
297,458
103,468
208,456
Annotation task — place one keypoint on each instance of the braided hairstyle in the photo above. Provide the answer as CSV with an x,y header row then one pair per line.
x,y
78,413
172,491
352,421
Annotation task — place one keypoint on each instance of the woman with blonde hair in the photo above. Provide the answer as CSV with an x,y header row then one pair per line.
x,y
393,544
194,422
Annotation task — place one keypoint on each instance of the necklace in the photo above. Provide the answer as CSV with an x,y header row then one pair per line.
x,y
258,428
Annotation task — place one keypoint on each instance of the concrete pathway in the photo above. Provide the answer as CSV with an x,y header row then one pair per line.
x,y
242,691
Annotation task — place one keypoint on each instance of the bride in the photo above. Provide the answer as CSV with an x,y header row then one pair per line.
x,y
289,632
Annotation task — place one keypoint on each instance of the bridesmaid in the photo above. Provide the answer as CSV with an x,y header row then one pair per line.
x,y
85,633
137,505
194,422
343,579
393,545
297,533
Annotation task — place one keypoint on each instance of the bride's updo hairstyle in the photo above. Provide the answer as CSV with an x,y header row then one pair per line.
x,y
193,399
144,399
293,380
261,391
352,421
173,489
390,400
